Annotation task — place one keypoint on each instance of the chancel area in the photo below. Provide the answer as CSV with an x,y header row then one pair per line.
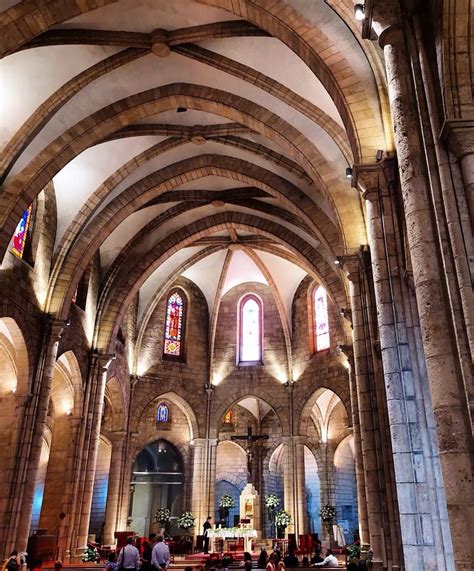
x,y
236,281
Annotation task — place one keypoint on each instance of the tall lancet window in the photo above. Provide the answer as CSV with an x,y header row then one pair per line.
x,y
321,320
22,233
251,321
173,345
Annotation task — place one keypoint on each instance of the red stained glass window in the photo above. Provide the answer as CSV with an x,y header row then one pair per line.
x,y
174,325
21,233
321,320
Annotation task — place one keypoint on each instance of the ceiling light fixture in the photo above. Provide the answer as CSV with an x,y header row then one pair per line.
x,y
349,173
359,12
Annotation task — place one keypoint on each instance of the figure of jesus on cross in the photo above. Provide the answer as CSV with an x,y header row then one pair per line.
x,y
250,442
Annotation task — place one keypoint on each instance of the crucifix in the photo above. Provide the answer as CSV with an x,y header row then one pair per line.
x,y
250,441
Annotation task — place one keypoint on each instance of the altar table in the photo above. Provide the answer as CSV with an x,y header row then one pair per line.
x,y
226,533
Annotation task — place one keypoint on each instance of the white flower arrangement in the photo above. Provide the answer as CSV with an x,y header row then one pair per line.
x,y
226,501
162,515
282,519
327,512
186,521
272,501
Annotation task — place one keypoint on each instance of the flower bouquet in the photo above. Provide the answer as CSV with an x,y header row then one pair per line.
x,y
282,520
162,515
327,513
90,555
186,521
272,501
226,501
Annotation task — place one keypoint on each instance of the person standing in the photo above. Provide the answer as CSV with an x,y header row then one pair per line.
x,y
160,558
129,557
206,527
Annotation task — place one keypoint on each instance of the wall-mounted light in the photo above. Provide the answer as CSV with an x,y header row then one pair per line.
x,y
337,261
359,12
349,173
379,155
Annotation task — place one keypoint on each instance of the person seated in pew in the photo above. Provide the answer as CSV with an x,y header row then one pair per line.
x,y
330,561
291,560
317,557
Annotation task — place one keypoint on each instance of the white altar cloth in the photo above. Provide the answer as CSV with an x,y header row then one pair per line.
x,y
226,533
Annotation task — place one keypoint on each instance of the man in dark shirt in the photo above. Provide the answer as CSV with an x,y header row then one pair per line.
x,y
291,560
206,527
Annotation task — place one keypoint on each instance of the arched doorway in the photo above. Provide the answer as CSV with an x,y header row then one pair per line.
x,y
157,481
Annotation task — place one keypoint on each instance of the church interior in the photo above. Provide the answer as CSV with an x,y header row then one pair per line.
x,y
236,277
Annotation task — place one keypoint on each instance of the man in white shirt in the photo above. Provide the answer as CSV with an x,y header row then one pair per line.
x,y
160,557
330,561
129,557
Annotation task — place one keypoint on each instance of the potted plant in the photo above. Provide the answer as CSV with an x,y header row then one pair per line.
x,y
328,514
162,517
186,522
282,521
272,502
226,502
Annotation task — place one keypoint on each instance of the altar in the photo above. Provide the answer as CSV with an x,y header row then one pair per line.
x,y
227,533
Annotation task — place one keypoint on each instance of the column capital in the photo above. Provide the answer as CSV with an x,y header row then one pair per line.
x,y
103,360
375,178
458,134
117,436
57,329
383,21
351,265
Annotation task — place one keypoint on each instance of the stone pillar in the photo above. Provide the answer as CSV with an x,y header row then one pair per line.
x,y
94,418
448,394
415,464
199,501
289,491
366,416
459,135
358,456
19,509
113,491
300,516
210,483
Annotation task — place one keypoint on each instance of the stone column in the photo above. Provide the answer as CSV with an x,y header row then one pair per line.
x,y
20,506
198,505
415,475
94,419
210,483
358,456
448,394
366,416
459,135
300,516
113,491
288,479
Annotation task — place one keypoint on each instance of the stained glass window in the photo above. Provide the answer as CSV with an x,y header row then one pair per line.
x,y
21,233
250,329
229,417
174,325
162,413
321,320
